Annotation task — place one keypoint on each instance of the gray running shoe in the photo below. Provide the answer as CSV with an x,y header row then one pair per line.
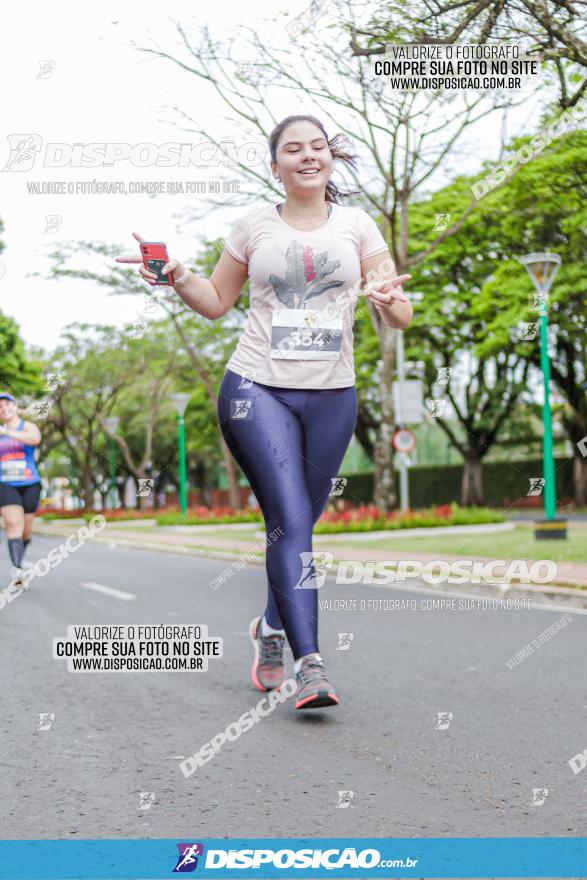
x,y
21,577
314,689
267,671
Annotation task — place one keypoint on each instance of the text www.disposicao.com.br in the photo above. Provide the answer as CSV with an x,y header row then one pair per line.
x,y
107,664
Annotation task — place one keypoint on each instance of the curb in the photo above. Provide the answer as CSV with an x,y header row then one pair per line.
x,y
523,590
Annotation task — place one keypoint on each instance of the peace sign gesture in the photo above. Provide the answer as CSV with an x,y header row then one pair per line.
x,y
384,292
394,307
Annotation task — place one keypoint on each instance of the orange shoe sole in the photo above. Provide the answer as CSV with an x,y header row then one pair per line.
x,y
318,700
254,678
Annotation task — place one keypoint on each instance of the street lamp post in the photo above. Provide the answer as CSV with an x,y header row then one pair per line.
x,y
112,423
181,401
542,268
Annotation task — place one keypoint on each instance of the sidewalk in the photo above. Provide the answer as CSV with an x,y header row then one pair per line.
x,y
201,541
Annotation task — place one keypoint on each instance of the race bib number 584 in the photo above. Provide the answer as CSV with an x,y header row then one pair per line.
x,y
305,334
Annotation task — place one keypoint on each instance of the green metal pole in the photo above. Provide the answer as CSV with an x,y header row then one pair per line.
x,y
182,470
547,444
113,472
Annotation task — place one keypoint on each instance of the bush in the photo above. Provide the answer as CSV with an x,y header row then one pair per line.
x,y
368,518
55,513
110,515
198,516
365,518
505,483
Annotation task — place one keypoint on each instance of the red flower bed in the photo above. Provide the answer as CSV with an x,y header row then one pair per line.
x,y
363,513
131,513
367,513
84,513
56,512
444,511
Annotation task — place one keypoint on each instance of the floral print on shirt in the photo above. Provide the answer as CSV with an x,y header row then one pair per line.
x,y
304,277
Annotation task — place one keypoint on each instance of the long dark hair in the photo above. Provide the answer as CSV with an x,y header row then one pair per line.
x,y
335,144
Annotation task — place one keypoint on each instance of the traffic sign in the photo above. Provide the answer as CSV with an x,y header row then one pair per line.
x,y
408,402
404,440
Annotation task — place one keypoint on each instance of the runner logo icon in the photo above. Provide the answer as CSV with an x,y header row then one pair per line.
x,y
187,859
23,151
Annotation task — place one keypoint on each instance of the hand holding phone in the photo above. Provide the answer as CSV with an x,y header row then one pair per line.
x,y
154,260
155,257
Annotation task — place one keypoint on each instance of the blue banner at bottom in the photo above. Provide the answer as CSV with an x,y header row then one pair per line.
x,y
383,857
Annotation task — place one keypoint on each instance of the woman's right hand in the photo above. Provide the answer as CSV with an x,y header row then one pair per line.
x,y
173,266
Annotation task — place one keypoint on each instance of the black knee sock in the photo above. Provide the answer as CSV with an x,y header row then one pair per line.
x,y
25,544
16,549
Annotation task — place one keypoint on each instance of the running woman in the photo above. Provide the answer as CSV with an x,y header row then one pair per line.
x,y
20,483
287,404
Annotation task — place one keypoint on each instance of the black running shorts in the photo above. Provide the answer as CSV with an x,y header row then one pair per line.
x,y
26,497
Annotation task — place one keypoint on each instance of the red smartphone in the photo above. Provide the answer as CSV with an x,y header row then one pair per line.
x,y
155,256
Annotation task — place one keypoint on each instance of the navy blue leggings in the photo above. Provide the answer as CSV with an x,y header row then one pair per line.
x,y
289,443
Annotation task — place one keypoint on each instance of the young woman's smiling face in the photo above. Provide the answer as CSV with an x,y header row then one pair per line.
x,y
7,409
304,160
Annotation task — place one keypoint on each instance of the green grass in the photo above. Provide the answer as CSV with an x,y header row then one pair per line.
x,y
135,528
228,535
519,543
516,544
177,519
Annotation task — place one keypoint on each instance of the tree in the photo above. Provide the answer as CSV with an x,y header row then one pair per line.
x,y
206,343
142,369
552,28
544,208
103,370
478,301
18,373
85,391
472,395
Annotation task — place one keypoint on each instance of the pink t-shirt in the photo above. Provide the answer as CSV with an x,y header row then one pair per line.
x,y
303,290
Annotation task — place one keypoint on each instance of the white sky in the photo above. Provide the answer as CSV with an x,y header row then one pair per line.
x,y
104,90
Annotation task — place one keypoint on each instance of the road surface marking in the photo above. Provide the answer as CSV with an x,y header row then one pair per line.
x,y
108,591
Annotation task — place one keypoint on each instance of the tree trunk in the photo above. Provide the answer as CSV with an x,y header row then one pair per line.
x,y
580,480
365,424
141,499
385,496
231,473
87,488
203,483
120,490
472,485
207,495
156,491
577,433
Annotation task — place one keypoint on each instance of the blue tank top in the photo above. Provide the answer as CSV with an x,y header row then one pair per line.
x,y
17,462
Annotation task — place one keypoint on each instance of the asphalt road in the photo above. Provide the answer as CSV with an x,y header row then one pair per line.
x,y
115,735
